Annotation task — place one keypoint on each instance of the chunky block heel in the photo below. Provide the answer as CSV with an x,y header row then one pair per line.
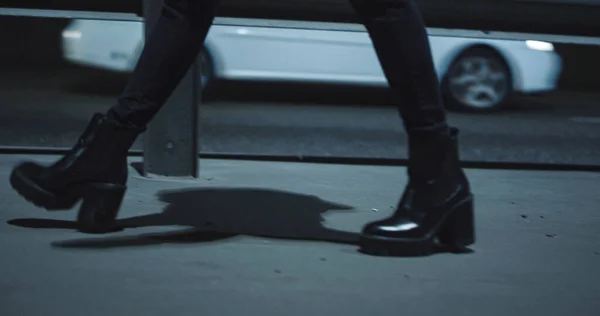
x,y
100,207
458,230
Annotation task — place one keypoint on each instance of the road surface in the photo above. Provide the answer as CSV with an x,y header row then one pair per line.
x,y
50,108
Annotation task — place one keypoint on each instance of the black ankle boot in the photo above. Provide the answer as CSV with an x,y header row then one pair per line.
x,y
437,201
95,171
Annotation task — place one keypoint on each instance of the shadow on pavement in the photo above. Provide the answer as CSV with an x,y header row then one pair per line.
x,y
217,214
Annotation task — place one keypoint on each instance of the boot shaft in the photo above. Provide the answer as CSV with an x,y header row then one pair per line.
x,y
99,155
431,150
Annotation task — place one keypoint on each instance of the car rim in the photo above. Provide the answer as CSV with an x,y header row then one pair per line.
x,y
479,82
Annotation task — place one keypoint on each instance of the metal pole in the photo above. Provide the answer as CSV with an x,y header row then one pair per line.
x,y
171,141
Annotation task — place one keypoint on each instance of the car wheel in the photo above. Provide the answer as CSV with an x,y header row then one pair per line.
x,y
206,71
478,80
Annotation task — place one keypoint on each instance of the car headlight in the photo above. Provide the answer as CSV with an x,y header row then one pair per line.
x,y
71,34
539,45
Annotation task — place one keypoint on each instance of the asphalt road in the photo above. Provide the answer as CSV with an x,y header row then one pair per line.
x,y
50,108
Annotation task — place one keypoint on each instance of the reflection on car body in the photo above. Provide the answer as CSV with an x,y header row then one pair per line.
x,y
475,74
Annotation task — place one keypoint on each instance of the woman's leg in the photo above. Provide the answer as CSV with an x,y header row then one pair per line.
x,y
95,170
174,44
437,201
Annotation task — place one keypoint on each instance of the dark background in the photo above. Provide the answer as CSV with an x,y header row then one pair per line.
x,y
536,16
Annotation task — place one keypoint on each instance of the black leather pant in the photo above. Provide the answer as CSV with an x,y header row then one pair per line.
x,y
395,27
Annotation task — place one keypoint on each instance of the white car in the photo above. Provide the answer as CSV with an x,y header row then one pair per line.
x,y
476,74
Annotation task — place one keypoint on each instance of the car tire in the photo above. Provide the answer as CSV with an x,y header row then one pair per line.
x,y
207,71
478,80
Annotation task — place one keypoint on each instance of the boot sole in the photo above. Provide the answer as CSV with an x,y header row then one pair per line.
x,y
23,183
455,232
98,212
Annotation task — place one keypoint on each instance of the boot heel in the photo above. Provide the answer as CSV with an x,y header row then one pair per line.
x,y
458,231
100,207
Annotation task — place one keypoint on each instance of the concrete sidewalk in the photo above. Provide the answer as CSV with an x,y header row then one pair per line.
x,y
538,250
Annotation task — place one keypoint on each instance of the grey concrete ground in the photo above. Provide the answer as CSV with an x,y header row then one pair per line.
x,y
285,247
50,108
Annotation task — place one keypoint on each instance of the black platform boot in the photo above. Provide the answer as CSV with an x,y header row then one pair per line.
x,y
437,202
95,171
